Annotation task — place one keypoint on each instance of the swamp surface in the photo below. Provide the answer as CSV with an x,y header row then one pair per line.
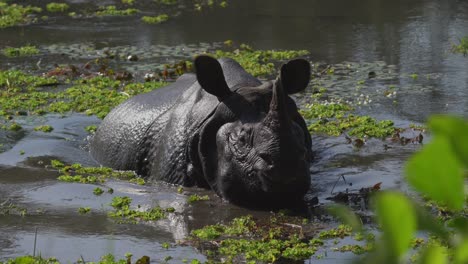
x,y
391,60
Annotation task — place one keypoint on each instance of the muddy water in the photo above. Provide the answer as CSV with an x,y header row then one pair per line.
x,y
392,38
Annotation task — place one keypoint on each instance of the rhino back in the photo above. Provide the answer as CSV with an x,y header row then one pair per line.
x,y
115,143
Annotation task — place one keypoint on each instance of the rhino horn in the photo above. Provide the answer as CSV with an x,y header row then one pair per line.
x,y
277,118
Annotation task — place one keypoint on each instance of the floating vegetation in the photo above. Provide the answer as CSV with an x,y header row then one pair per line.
x,y
91,128
84,210
335,118
79,174
125,214
12,127
280,238
462,46
21,51
128,2
112,10
98,191
9,208
30,260
44,128
167,2
93,96
195,198
57,7
155,19
106,259
14,14
258,62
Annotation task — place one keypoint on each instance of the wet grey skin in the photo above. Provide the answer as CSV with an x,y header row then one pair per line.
x,y
220,128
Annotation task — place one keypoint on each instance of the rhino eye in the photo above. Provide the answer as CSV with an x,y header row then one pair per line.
x,y
239,142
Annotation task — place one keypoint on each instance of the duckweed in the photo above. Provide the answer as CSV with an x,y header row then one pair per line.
x,y
57,7
155,19
21,51
113,11
125,214
14,14
44,128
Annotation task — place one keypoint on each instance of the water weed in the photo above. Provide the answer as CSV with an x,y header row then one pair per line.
x,y
14,14
57,7
125,214
113,11
155,19
21,51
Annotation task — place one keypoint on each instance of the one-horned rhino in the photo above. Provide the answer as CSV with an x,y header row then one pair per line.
x,y
220,128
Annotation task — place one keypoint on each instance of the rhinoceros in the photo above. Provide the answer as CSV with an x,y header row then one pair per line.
x,y
220,128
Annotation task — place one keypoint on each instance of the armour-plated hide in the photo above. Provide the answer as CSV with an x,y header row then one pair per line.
x,y
220,128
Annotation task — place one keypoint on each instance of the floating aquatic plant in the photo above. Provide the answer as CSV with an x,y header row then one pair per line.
x,y
113,11
21,51
14,14
57,7
123,211
44,128
155,19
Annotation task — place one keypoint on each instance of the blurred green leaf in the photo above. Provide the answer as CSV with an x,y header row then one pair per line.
x,y
347,216
436,172
434,254
455,128
461,253
398,221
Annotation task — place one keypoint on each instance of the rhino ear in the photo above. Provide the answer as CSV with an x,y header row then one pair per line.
x,y
295,75
210,76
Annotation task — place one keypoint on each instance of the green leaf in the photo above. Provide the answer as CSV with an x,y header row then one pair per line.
x,y
434,254
347,216
455,129
461,253
398,221
436,172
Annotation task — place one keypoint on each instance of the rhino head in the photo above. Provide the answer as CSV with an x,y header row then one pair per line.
x,y
254,149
